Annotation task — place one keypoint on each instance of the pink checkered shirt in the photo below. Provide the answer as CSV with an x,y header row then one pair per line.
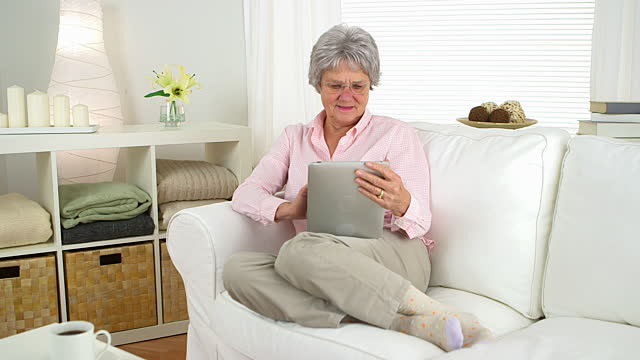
x,y
373,138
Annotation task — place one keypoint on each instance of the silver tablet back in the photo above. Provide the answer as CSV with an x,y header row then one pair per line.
x,y
334,204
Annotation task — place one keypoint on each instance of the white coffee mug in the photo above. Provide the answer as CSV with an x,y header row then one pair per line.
x,y
75,340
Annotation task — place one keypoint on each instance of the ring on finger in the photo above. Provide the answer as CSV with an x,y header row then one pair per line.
x,y
381,194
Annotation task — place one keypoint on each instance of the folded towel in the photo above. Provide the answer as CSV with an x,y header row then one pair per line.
x,y
180,180
83,203
167,210
22,221
105,230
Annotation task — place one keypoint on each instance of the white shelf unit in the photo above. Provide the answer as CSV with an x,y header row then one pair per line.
x,y
224,144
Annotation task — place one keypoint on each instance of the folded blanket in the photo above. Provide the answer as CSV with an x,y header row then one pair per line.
x,y
193,180
167,210
22,221
105,230
83,203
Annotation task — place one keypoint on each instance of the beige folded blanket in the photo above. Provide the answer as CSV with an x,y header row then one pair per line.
x,y
167,210
22,221
180,180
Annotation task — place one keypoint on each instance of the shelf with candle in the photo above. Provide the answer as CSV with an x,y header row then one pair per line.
x,y
61,115
38,109
15,105
39,116
80,115
50,130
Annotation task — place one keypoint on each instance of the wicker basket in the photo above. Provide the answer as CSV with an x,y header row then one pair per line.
x,y
28,294
114,288
174,299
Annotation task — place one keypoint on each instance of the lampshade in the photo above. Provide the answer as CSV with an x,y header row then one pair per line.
x,y
82,72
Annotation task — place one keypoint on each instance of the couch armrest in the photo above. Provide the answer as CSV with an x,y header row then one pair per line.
x,y
201,239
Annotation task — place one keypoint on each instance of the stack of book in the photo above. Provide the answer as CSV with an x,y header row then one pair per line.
x,y
613,119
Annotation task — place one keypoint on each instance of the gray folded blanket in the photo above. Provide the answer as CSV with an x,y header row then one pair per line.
x,y
106,230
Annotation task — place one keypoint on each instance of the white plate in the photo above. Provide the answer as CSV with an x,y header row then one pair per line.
x,y
49,130
490,125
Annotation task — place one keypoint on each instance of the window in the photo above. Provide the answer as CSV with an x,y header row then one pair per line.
x,y
440,58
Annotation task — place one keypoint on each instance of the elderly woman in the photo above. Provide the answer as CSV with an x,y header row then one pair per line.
x,y
321,280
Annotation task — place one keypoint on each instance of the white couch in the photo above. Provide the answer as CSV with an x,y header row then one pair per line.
x,y
536,233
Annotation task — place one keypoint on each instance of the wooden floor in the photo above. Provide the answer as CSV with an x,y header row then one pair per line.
x,y
169,348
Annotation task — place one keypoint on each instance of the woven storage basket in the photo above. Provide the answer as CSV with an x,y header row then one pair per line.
x,y
174,299
28,294
114,288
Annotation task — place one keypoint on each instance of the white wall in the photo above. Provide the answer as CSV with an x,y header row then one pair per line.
x,y
28,36
205,36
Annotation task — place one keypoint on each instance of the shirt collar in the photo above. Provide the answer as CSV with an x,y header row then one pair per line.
x,y
363,123
318,124
317,127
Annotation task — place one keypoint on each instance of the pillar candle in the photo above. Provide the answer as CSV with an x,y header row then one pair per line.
x,y
38,109
15,104
61,111
80,115
3,121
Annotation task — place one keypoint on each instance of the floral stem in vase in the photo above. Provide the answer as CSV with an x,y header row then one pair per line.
x,y
172,114
173,111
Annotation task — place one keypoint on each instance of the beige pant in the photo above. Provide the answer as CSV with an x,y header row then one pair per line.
x,y
318,278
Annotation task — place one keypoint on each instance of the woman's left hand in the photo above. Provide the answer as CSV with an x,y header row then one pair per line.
x,y
387,191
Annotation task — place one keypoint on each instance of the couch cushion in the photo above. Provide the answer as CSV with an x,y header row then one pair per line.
x,y
498,317
559,338
492,199
594,250
257,337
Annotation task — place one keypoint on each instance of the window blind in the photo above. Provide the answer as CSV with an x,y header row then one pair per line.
x,y
440,58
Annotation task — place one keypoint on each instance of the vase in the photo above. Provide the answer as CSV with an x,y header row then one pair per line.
x,y
172,113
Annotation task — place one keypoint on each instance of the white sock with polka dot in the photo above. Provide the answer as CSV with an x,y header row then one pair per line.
x,y
441,331
415,302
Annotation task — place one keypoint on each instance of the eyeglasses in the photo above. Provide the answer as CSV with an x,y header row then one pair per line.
x,y
357,88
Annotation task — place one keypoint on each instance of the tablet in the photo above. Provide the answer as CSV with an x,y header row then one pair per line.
x,y
334,204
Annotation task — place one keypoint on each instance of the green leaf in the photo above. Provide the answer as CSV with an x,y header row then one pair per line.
x,y
157,93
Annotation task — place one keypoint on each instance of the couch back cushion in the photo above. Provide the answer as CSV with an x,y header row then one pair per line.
x,y
492,199
594,249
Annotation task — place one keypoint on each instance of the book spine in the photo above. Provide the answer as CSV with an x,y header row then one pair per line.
x,y
616,118
587,128
619,130
615,107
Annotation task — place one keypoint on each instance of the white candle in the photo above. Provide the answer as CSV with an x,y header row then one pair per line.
x,y
15,104
3,121
61,111
38,109
80,115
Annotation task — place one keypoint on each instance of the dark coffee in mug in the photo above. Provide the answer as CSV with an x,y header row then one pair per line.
x,y
71,332
75,340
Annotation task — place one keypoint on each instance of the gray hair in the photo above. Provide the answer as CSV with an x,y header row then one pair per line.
x,y
343,43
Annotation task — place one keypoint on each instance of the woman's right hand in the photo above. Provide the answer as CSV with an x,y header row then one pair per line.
x,y
296,209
